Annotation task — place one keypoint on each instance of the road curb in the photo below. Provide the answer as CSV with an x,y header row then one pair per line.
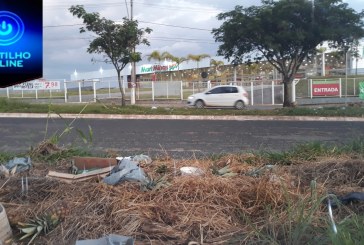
x,y
182,117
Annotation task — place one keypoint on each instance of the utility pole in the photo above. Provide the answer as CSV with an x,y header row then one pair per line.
x,y
133,67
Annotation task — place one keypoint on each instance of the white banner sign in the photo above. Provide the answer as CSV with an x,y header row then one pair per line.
x,y
38,85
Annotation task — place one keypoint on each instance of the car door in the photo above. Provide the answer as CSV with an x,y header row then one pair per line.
x,y
232,95
214,97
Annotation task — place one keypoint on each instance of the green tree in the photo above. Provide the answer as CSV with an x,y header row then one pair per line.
x,y
285,32
115,41
355,53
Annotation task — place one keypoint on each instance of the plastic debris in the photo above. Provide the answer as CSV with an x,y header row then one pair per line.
x,y
346,199
108,240
191,171
17,165
142,159
126,170
139,159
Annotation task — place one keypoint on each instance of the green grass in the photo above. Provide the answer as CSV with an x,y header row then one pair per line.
x,y
313,150
11,105
6,156
55,157
306,152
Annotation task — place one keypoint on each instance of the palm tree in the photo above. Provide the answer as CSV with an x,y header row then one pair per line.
x,y
179,60
155,55
198,58
216,64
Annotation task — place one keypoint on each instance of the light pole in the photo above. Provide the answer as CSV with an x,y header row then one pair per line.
x,y
79,85
346,76
102,72
133,72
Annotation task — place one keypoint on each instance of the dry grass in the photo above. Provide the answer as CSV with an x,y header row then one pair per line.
x,y
208,208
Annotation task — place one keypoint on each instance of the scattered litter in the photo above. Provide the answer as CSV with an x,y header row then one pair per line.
x,y
126,170
5,229
191,171
154,107
84,168
16,165
142,159
331,217
69,178
108,240
91,163
24,185
259,171
347,199
139,159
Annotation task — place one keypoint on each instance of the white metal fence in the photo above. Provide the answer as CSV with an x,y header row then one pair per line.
x,y
267,92
260,91
349,87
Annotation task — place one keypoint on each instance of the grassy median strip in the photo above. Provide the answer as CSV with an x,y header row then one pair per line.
x,y
9,106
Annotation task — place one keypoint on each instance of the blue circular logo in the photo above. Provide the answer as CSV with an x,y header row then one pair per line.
x,y
11,28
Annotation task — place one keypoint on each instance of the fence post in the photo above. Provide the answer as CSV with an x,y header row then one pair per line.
x,y
354,86
311,88
341,87
109,90
193,87
262,92
36,94
181,90
283,92
65,90
94,87
79,91
22,93
7,92
153,90
251,93
167,90
272,92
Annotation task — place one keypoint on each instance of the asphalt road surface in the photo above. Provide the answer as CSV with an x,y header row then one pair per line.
x,y
177,138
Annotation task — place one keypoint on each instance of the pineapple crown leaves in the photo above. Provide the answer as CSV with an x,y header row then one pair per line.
x,y
45,223
33,228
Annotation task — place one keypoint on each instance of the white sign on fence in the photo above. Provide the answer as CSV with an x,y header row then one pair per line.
x,y
38,85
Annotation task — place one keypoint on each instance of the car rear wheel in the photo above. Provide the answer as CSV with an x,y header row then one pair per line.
x,y
199,104
239,105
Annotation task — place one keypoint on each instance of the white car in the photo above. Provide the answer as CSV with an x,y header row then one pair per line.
x,y
220,96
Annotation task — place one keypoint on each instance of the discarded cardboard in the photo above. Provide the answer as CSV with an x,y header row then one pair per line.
x,y
69,178
93,162
93,167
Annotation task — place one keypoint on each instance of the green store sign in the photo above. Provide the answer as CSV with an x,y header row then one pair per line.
x,y
361,90
158,68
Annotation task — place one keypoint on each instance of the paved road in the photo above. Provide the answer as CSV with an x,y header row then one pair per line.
x,y
179,138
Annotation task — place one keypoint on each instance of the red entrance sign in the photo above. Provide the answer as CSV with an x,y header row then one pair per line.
x,y
328,89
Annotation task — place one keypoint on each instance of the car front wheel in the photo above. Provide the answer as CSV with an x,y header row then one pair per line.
x,y
199,104
239,105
